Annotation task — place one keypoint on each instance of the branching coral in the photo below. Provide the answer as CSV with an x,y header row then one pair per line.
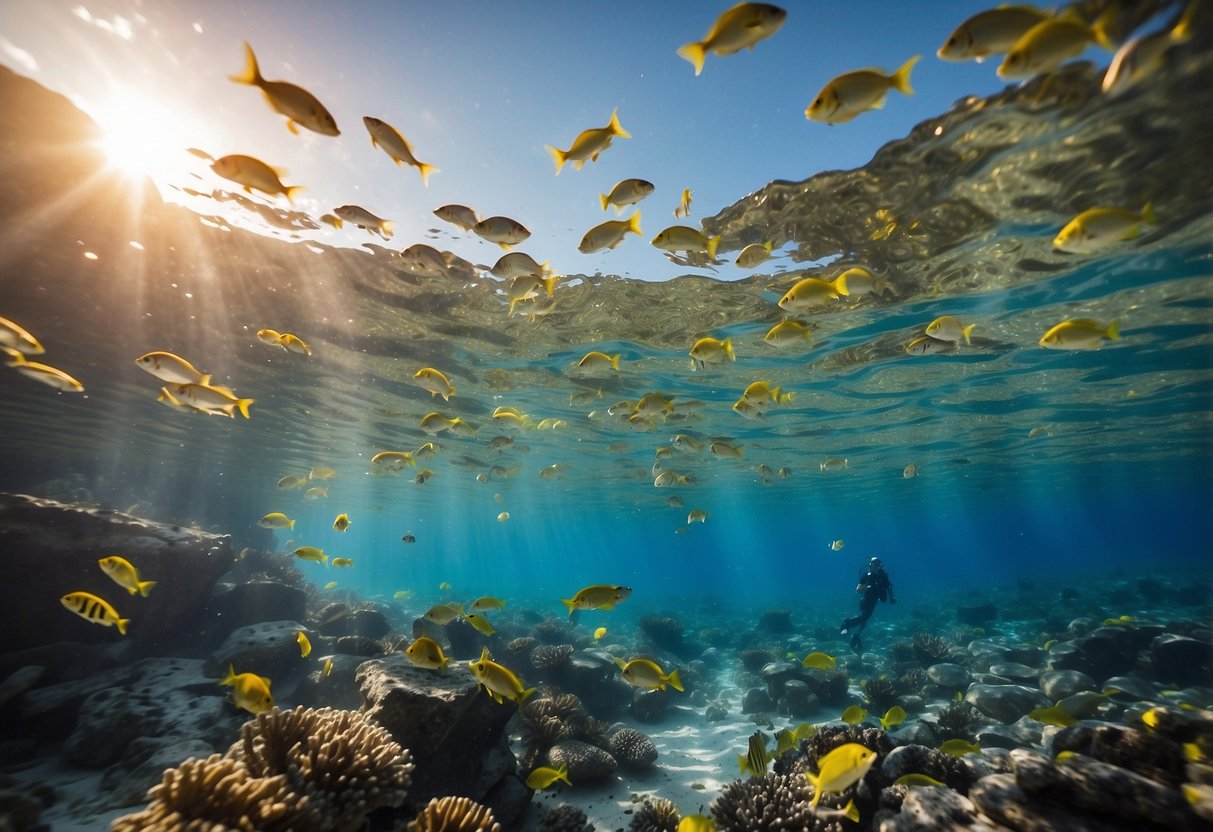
x,y
753,659
551,656
881,693
656,815
772,802
565,818
553,631
957,721
454,814
931,649
302,770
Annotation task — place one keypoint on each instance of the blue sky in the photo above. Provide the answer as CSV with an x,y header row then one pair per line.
x,y
480,88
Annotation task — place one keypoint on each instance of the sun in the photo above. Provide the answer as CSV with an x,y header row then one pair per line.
x,y
141,137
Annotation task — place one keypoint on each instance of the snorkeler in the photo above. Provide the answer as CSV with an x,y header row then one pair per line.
x,y
874,585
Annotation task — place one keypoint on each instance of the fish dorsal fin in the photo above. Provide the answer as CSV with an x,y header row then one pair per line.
x,y
484,654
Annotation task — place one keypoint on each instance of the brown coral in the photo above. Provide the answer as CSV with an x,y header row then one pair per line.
x,y
454,814
657,815
772,802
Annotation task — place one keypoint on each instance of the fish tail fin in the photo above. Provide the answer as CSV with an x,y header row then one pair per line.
x,y
728,349
387,228
603,199
967,331
815,782
1100,28
145,587
615,360
568,602
789,397
425,171
901,78
291,524
851,812
525,695
695,53
230,677
769,245
338,222
675,681
15,357
513,303
290,192
242,405
713,244
251,74
549,284
1147,210
615,127
447,396
743,764
634,224
1113,331
442,664
558,156
205,380
121,624
839,285
1182,32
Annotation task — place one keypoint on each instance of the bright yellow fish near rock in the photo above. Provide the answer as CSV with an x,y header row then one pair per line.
x,y
388,138
544,776
678,238
589,144
787,333
94,609
499,681
806,294
711,351
754,255
845,765
597,597
125,575
298,105
305,646
738,28
249,691
1048,45
427,653
852,93
647,674
949,328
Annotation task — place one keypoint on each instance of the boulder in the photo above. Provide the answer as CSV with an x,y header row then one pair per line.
x,y
1015,671
976,615
949,676
756,701
336,690
632,749
237,605
1102,652
716,713
42,535
1085,703
798,699
1005,703
19,681
127,783
269,649
1059,684
1178,660
451,727
775,674
936,809
1143,752
584,761
1130,687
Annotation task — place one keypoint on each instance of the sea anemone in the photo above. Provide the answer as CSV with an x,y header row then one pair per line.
x,y
520,647
957,721
931,649
912,681
360,646
454,814
656,815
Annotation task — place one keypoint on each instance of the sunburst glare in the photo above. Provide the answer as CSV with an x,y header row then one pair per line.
x,y
143,137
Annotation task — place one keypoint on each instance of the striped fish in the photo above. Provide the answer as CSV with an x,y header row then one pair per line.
x,y
755,761
94,609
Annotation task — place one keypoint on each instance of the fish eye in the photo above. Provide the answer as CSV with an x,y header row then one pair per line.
x,y
820,100
952,41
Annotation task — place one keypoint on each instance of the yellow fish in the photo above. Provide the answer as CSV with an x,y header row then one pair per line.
x,y
94,609
519,264
991,32
499,681
293,343
172,368
253,174
321,472
387,137
820,661
711,351
833,464
647,674
696,823
212,399
311,553
503,231
845,765
305,646
364,219
328,668
545,776
460,216
1099,228
1143,56
435,382
1055,715
503,517
481,623
609,234
249,691
910,471
427,653
15,336
597,597
444,613
725,450
400,594
1048,44
434,423
926,345
806,294
589,144
852,93
757,757
341,523
599,633
341,562
290,483
44,373
684,238
854,715
958,748
125,575
837,545
754,255
761,394
949,328
316,492
487,602
856,282
684,204
626,192
599,360
331,585
394,460
1080,334
786,333
739,28
893,717
276,520
916,779
298,105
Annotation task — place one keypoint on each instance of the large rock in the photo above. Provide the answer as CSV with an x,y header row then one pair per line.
x,y
1180,661
1102,652
935,809
1006,703
1016,671
43,539
949,676
238,605
775,675
270,648
1059,684
450,726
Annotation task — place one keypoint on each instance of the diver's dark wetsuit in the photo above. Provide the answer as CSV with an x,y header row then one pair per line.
x,y
875,585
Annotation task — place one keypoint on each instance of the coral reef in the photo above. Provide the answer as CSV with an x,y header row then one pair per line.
x,y
663,631
553,631
454,814
551,656
753,659
902,652
565,818
881,692
632,748
958,721
931,649
772,802
831,686
656,815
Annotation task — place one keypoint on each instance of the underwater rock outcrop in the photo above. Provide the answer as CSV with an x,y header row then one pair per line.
x,y
46,541
454,731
